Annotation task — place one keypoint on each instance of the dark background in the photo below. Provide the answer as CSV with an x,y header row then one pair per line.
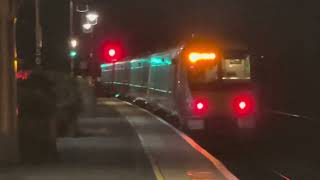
x,y
286,33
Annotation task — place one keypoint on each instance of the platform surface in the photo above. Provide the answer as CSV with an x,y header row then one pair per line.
x,y
122,141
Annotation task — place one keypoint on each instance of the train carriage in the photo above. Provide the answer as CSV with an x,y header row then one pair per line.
x,y
206,86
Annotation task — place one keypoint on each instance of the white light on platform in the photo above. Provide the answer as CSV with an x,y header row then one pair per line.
x,y
73,43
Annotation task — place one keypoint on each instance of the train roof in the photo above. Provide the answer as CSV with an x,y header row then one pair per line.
x,y
224,45
219,42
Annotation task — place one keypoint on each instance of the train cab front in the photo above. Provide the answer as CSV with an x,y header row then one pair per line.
x,y
222,95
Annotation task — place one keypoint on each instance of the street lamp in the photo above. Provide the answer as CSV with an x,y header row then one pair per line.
x,y
87,26
92,18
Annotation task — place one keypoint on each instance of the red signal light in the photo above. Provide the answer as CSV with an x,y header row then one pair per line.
x,y
200,106
112,52
242,105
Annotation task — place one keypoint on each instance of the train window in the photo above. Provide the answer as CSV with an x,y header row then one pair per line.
x,y
207,75
236,68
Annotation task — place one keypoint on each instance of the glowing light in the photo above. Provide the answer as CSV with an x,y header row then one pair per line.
x,y
104,65
73,53
160,61
200,106
112,52
242,105
23,75
15,65
92,16
194,56
73,43
87,26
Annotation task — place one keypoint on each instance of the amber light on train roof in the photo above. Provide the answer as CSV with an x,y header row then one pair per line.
x,y
196,56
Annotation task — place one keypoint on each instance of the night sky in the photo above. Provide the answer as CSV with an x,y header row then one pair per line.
x,y
286,33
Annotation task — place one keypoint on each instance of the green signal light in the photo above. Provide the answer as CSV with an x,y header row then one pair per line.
x,y
73,53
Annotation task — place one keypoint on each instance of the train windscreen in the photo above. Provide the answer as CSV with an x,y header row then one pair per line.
x,y
231,68
236,68
202,75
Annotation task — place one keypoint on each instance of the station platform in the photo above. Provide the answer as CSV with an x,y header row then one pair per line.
x,y
122,141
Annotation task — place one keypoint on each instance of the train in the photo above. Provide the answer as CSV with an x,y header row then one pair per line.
x,y
207,85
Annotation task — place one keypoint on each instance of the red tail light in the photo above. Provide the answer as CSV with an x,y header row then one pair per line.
x,y
243,105
200,106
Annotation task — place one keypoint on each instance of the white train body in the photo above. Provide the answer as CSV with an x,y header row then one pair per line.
x,y
207,88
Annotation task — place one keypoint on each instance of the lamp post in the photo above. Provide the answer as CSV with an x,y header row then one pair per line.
x,y
8,100
71,35
90,20
38,29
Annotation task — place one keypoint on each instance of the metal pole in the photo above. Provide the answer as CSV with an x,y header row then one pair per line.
x,y
71,35
113,76
8,121
38,34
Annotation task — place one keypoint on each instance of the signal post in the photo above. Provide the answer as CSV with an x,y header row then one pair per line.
x,y
8,119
